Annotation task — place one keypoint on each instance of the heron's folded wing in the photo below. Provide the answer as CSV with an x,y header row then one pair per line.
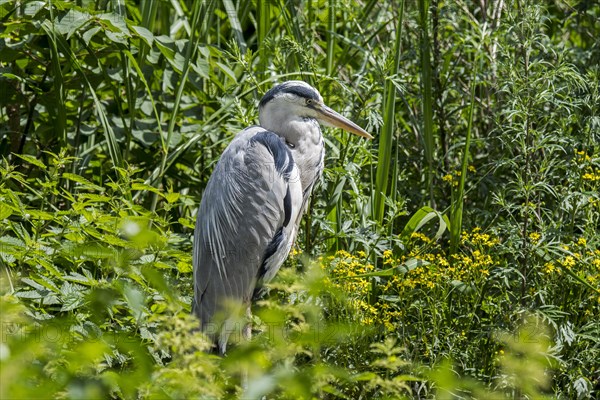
x,y
245,206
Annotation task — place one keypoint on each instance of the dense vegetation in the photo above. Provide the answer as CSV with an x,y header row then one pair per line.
x,y
456,255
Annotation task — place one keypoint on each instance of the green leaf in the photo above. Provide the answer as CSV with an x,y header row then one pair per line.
x,y
202,68
136,301
172,197
401,269
81,279
420,218
89,34
10,241
71,22
186,222
364,376
228,71
46,283
29,294
48,266
32,8
72,301
114,240
82,181
144,34
31,160
40,215
5,211
164,44
143,186
92,251
115,23
93,198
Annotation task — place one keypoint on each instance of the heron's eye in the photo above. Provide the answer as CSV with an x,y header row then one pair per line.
x,y
309,102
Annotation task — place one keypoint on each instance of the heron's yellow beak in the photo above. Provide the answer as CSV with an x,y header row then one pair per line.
x,y
332,118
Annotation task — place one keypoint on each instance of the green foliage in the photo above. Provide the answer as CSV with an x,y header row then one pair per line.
x,y
456,255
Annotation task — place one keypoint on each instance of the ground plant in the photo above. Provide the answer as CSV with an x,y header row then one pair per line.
x,y
456,255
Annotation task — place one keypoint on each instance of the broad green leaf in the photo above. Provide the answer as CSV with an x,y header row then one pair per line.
x,y
163,43
144,34
81,279
5,211
420,218
72,301
364,376
31,160
89,34
401,269
33,284
93,197
171,197
115,23
136,301
116,37
71,22
143,186
114,240
48,266
202,67
38,214
228,71
29,294
10,241
32,8
186,222
93,251
82,181
46,282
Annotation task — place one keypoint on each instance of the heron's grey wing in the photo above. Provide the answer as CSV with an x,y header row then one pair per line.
x,y
246,221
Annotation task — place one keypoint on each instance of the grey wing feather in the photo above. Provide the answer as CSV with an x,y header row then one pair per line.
x,y
241,212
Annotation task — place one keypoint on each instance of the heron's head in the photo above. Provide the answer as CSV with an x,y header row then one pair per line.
x,y
297,99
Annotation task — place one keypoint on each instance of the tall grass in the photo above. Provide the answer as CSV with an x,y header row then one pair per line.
x,y
123,112
190,56
385,170
456,208
262,30
427,99
331,10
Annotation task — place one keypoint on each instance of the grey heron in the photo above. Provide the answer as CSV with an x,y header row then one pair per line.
x,y
251,208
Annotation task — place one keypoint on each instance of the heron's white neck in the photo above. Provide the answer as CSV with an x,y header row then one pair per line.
x,y
305,140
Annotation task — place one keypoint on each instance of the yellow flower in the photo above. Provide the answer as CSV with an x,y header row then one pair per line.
x,y
447,178
581,241
472,168
568,262
421,237
582,156
549,268
534,237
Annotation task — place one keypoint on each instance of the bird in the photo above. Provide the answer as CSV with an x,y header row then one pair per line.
x,y
251,208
